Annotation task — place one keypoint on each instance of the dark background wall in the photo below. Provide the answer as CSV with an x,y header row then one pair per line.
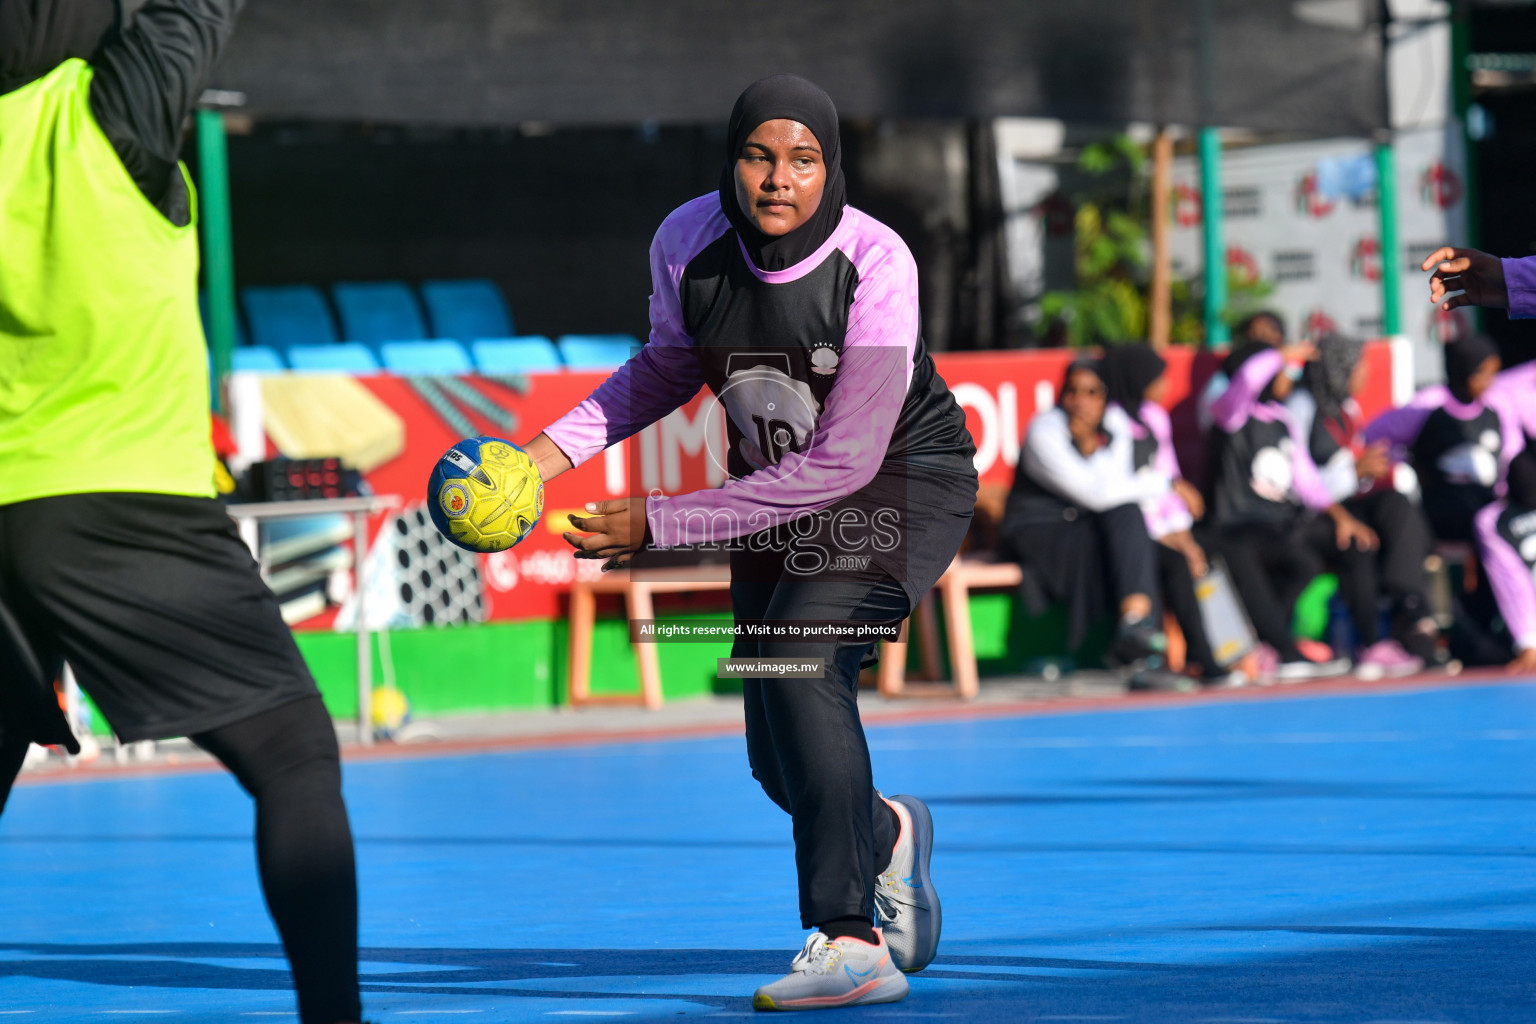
x,y
1506,164
497,62
563,220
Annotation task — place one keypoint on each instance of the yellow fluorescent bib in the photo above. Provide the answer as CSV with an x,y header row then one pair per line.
x,y
103,366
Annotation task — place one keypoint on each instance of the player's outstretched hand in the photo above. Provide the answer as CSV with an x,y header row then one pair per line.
x,y
614,530
1478,276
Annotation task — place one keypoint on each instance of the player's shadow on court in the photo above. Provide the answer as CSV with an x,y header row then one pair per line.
x,y
1348,973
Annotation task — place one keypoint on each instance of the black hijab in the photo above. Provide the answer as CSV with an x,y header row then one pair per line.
x,y
1462,358
37,36
794,98
1241,355
1128,371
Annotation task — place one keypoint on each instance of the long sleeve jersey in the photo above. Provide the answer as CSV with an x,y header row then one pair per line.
x,y
820,369
1454,444
1152,452
1520,281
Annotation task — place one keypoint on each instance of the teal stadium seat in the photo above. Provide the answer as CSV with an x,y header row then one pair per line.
x,y
425,358
530,354
280,316
466,310
339,357
379,311
597,351
256,359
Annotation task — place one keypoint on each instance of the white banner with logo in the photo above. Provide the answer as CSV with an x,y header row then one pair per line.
x,y
1303,216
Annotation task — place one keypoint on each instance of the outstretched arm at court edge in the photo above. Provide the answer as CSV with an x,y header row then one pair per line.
x,y
149,78
1483,280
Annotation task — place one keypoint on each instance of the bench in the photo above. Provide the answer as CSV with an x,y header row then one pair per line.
x,y
638,586
964,574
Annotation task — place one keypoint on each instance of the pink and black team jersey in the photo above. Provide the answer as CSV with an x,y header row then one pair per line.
x,y
829,393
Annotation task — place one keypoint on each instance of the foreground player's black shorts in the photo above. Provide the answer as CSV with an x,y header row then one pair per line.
x,y
157,605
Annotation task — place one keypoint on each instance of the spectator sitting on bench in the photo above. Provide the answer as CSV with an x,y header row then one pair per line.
x,y
1459,435
1274,521
1073,518
1135,380
1359,476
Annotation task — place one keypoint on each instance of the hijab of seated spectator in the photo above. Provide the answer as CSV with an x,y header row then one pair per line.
x,y
1074,518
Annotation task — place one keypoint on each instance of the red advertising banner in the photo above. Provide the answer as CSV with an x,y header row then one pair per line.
x,y
402,428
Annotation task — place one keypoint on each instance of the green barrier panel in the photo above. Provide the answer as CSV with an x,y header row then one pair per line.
x,y
1311,616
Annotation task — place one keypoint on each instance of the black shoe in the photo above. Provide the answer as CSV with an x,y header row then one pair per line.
x,y
1136,641
1425,644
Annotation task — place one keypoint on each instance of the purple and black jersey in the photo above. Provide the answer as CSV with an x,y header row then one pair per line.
x,y
829,394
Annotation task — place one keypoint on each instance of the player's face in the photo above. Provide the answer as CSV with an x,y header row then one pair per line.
x,y
1482,378
780,176
1267,330
1083,398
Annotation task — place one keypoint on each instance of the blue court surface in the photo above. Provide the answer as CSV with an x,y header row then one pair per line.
x,y
1328,858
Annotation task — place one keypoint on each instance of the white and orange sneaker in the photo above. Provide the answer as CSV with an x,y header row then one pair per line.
x,y
835,972
905,901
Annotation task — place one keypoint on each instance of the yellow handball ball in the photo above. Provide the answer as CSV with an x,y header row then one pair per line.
x,y
391,710
485,494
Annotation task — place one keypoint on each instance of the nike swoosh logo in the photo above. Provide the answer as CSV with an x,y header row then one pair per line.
x,y
917,857
854,976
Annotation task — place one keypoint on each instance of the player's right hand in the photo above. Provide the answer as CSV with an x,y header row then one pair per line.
x,y
1478,276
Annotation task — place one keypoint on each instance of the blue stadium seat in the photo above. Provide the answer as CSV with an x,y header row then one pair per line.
x,y
379,311
466,310
425,358
597,351
528,354
337,357
284,315
256,359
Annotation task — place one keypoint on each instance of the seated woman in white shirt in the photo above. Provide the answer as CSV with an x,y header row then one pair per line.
x,y
1073,518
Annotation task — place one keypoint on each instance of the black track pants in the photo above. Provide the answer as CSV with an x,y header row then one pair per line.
x,y
805,742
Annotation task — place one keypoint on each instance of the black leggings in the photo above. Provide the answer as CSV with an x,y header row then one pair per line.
x,y
1271,565
1178,585
1405,544
805,742
287,758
